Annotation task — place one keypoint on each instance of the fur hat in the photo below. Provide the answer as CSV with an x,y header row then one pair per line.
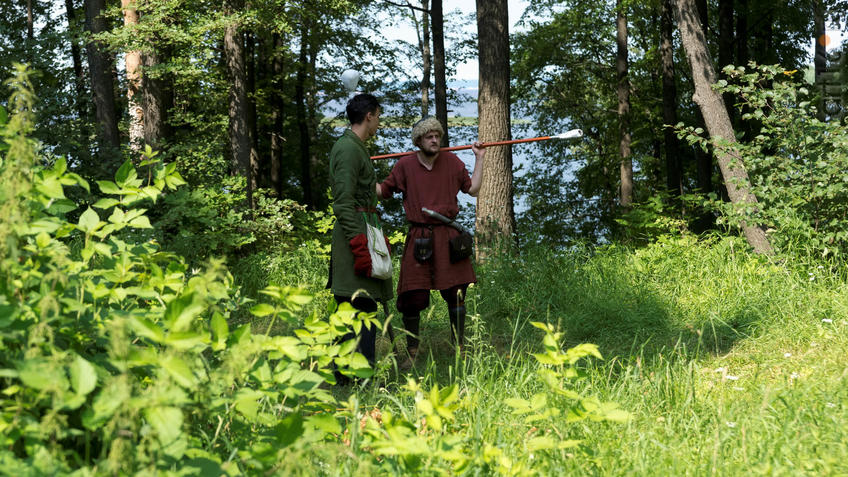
x,y
424,127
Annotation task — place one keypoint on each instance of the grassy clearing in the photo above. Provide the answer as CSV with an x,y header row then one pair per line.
x,y
729,363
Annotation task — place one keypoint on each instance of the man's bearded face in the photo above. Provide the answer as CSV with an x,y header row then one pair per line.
x,y
430,143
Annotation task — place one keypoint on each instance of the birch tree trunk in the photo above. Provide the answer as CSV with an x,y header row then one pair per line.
x,y
716,118
132,61
495,216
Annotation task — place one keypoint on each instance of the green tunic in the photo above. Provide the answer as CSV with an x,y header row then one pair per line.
x,y
353,181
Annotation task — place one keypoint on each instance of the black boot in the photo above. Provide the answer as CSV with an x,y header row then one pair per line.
x,y
412,325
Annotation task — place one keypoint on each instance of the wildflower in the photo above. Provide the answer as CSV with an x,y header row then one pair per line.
x,y
731,378
787,355
794,376
721,369
830,404
827,320
737,388
730,424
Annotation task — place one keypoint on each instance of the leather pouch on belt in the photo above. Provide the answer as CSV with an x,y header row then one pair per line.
x,y
422,249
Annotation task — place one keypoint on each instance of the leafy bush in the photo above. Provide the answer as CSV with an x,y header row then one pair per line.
x,y
797,163
115,359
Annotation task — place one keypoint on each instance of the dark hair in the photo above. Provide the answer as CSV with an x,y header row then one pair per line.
x,y
359,106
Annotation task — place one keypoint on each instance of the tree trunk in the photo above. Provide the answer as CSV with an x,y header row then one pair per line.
x,y
103,89
716,119
423,33
79,79
252,123
626,197
820,58
132,61
30,33
725,45
441,89
237,111
157,98
278,105
495,216
302,121
742,33
673,164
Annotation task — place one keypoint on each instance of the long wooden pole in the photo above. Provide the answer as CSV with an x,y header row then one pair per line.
x,y
468,146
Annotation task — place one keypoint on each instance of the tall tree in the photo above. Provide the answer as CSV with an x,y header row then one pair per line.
x,y
820,58
673,163
440,91
278,108
623,89
716,118
495,215
102,85
132,63
157,96
238,132
76,61
302,122
423,32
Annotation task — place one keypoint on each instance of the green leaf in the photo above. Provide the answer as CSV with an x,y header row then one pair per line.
x,y
146,328
105,203
61,206
180,312
167,421
51,187
262,309
220,330
89,221
4,116
325,422
83,376
108,187
186,339
179,370
124,173
141,223
289,429
247,402
38,373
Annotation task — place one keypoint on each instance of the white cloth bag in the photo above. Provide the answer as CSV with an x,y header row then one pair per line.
x,y
381,262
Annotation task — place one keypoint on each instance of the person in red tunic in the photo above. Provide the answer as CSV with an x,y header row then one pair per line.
x,y
432,178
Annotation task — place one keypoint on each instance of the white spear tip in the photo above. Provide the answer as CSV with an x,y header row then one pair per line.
x,y
350,78
574,133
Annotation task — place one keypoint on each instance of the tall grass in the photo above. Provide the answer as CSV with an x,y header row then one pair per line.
x,y
729,363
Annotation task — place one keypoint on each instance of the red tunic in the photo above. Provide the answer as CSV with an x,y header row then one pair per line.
x,y
435,189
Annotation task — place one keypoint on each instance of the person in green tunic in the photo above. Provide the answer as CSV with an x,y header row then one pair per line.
x,y
354,194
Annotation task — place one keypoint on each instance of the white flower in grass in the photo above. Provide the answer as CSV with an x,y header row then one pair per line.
x,y
794,376
830,405
827,320
730,377
737,388
721,369
730,424
787,355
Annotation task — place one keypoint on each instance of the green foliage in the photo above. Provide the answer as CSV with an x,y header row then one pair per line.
x,y
115,359
796,162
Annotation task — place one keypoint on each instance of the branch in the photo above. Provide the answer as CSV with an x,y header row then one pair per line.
x,y
408,5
